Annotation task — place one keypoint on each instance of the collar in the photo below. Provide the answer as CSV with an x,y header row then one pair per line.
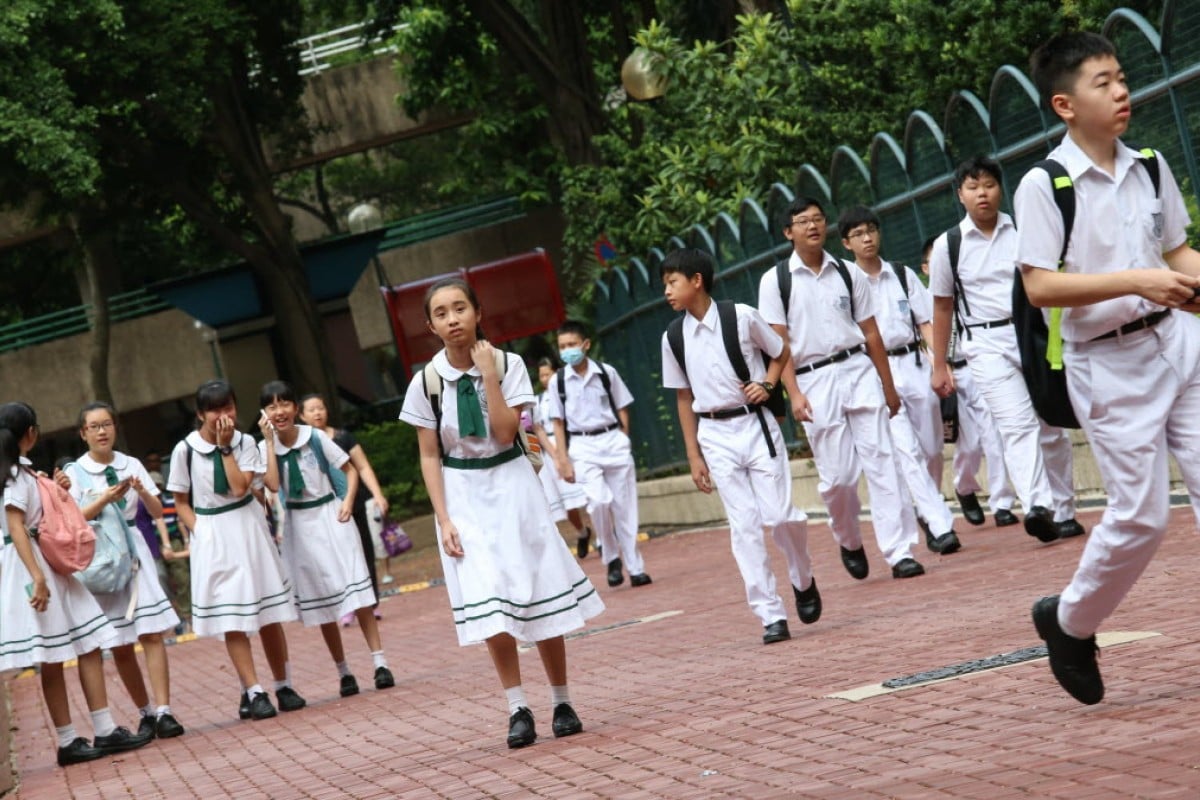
x,y
24,462
592,369
690,323
303,434
968,226
796,265
441,363
1078,162
120,461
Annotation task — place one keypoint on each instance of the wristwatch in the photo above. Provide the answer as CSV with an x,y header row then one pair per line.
x,y
225,450
770,387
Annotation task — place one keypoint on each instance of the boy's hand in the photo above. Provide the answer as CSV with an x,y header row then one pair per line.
x,y
700,475
755,393
1166,287
942,380
892,398
566,470
801,408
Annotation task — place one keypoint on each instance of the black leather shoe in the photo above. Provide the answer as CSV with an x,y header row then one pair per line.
x,y
971,509
1073,661
615,576
855,562
581,544
925,527
384,678
808,603
167,727
77,752
1069,527
244,706
520,728
289,699
146,726
639,580
777,631
944,545
261,708
120,740
907,568
1039,523
566,721
348,687
1005,517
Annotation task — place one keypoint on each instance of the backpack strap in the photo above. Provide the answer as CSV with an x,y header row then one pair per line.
x,y
961,308
318,450
560,379
521,440
606,382
901,273
1149,160
675,342
844,271
784,276
727,314
432,383
1063,190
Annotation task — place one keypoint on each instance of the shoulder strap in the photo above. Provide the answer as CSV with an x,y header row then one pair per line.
x,y
1149,160
432,383
675,342
901,273
1064,198
727,313
844,271
315,444
606,382
961,308
784,276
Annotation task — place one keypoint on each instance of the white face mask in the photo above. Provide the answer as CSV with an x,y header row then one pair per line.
x,y
571,355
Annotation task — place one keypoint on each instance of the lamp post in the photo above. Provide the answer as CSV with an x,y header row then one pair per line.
x,y
210,335
365,217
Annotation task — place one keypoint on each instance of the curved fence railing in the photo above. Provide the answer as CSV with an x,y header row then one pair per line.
x,y
909,184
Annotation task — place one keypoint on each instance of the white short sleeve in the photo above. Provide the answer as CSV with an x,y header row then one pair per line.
x,y
864,299
1039,222
673,375
941,278
919,298
516,386
417,410
762,335
181,476
336,456
248,458
770,301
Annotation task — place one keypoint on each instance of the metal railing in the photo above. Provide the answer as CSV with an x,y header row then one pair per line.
x,y
320,51
72,321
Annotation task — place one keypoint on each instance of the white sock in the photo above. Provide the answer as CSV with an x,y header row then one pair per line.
x,y
287,677
516,699
379,658
102,722
559,694
66,734
343,669
253,690
147,710
162,710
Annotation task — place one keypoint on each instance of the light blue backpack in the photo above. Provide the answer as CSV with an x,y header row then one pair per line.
x,y
115,562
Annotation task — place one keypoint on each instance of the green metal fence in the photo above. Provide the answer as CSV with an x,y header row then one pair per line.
x,y
909,184
78,319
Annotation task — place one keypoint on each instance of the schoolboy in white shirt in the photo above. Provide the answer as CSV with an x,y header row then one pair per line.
x,y
1132,363
588,403
1038,456
733,444
902,314
841,388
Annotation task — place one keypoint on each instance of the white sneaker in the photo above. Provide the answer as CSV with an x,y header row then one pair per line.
x,y
387,579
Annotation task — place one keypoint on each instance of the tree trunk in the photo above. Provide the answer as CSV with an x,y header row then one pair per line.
x,y
100,270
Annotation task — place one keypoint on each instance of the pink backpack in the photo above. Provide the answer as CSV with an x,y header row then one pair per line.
x,y
65,538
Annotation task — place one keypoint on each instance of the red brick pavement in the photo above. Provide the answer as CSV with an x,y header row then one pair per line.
x,y
693,706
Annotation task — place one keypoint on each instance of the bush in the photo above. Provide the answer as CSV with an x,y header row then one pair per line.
x,y
392,449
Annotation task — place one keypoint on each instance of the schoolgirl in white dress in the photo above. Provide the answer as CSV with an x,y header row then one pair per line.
x,y
508,572
238,583
567,500
322,550
104,478
49,618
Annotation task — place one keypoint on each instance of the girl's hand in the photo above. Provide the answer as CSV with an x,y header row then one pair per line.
x,y
483,354
225,428
346,510
114,493
450,541
382,504
267,429
61,479
136,485
40,599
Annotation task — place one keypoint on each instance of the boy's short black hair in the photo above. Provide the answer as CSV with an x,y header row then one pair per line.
x,y
798,206
1054,65
689,262
976,167
573,326
854,216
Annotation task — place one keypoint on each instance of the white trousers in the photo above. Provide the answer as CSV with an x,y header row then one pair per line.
x,y
1137,398
978,437
1038,457
604,470
756,491
917,438
849,436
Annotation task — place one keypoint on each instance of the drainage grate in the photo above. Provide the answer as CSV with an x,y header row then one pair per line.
x,y
967,667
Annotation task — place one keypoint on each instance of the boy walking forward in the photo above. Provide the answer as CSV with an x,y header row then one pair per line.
x,y
733,442
1132,364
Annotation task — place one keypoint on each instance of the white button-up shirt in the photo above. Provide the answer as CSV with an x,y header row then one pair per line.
x,y
985,269
893,306
588,408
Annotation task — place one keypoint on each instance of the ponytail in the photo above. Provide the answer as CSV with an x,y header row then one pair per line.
x,y
9,454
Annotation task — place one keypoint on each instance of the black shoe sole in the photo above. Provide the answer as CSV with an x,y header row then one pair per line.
x,y
1041,528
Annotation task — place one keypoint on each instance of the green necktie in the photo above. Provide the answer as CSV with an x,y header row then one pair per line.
x,y
220,479
110,476
470,415
295,481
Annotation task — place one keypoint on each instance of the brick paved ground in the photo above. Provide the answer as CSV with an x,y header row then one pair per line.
x,y
691,705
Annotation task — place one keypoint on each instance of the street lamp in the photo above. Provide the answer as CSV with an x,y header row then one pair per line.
x,y
210,335
640,77
364,217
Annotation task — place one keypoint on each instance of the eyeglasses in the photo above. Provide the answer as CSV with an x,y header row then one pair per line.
x,y
869,230
96,427
809,222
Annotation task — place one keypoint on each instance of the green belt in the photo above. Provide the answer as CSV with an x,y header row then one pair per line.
x,y
483,463
320,501
208,512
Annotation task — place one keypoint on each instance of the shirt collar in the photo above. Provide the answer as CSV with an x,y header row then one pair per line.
x,y
690,323
592,369
119,462
1078,162
827,262
968,225
303,434
442,364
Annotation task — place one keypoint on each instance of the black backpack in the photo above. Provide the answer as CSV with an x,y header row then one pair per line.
x,y
1041,345
727,313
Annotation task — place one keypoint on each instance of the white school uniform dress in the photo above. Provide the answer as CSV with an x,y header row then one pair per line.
x,y
1038,456
917,427
561,496
516,574
849,433
73,623
323,557
238,582
602,456
153,612
755,488
1137,395
978,438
